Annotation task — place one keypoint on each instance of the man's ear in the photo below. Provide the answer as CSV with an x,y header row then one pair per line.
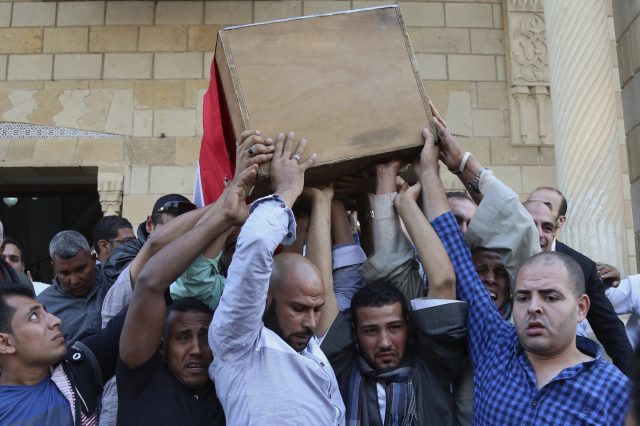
x,y
583,306
560,222
6,344
104,246
149,224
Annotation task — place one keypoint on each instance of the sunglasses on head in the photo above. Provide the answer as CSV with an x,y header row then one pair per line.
x,y
176,207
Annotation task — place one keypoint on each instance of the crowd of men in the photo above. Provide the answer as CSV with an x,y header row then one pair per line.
x,y
439,308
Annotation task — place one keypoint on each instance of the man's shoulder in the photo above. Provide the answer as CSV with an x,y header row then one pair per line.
x,y
50,294
576,255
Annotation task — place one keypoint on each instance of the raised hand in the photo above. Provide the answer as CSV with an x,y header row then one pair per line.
x,y
287,171
232,201
251,149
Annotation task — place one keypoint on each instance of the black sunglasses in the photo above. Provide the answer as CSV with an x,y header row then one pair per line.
x,y
176,207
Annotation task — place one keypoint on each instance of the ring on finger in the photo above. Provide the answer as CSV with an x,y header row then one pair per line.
x,y
251,151
296,157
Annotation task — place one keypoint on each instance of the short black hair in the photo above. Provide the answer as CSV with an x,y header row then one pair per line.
x,y
188,304
7,311
375,296
576,276
107,229
11,240
156,217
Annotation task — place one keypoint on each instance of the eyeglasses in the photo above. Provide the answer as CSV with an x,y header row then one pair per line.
x,y
176,207
122,240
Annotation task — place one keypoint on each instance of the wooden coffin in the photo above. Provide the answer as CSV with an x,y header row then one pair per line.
x,y
347,82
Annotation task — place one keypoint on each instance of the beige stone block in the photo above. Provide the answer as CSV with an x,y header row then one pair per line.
x,y
21,40
30,67
200,112
143,123
174,122
487,41
510,176
78,13
502,152
268,10
137,207
159,94
203,38
479,147
136,180
3,67
34,14
317,7
4,150
497,16
55,151
18,105
21,85
127,65
472,67
536,176
163,38
547,156
67,40
191,89
177,65
228,12
468,15
111,85
493,95
206,64
501,68
113,39
5,14
444,40
372,3
77,66
100,151
187,151
130,12
179,12
172,179
432,67
120,115
422,14
150,151
21,151
488,122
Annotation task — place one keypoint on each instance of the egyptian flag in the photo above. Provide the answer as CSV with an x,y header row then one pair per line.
x,y
217,149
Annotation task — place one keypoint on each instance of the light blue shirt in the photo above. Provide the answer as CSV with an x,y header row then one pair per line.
x,y
259,378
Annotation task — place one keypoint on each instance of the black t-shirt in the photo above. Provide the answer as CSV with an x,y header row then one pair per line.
x,y
151,395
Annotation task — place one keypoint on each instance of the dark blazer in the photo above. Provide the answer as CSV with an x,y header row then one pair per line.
x,y
601,316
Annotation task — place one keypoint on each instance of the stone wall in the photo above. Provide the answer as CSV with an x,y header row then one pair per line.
x,y
627,31
139,69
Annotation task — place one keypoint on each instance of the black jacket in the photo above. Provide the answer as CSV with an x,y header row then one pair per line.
x,y
124,254
601,316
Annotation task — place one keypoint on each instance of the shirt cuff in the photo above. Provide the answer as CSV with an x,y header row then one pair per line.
x,y
424,303
383,206
347,255
274,203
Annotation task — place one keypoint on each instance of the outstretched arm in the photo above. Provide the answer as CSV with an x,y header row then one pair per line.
x,y
432,255
145,320
319,251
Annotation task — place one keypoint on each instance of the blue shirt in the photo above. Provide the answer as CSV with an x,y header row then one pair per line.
x,y
41,404
505,387
260,379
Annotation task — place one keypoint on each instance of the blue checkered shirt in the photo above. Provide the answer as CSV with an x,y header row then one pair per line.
x,y
505,389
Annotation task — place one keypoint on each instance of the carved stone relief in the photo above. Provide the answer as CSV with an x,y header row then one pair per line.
x,y
110,186
531,121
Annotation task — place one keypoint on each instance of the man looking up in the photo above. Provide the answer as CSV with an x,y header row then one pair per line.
x,y
79,287
537,371
270,370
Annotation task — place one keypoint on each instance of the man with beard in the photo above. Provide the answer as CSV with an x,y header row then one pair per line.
x,y
271,370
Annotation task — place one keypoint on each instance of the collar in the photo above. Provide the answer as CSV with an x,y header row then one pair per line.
x,y
553,245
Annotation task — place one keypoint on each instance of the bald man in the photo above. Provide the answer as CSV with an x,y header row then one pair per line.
x,y
268,367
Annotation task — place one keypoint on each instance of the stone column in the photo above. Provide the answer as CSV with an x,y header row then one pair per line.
x,y
110,191
583,97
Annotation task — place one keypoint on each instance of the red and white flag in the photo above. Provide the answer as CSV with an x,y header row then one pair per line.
x,y
217,149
